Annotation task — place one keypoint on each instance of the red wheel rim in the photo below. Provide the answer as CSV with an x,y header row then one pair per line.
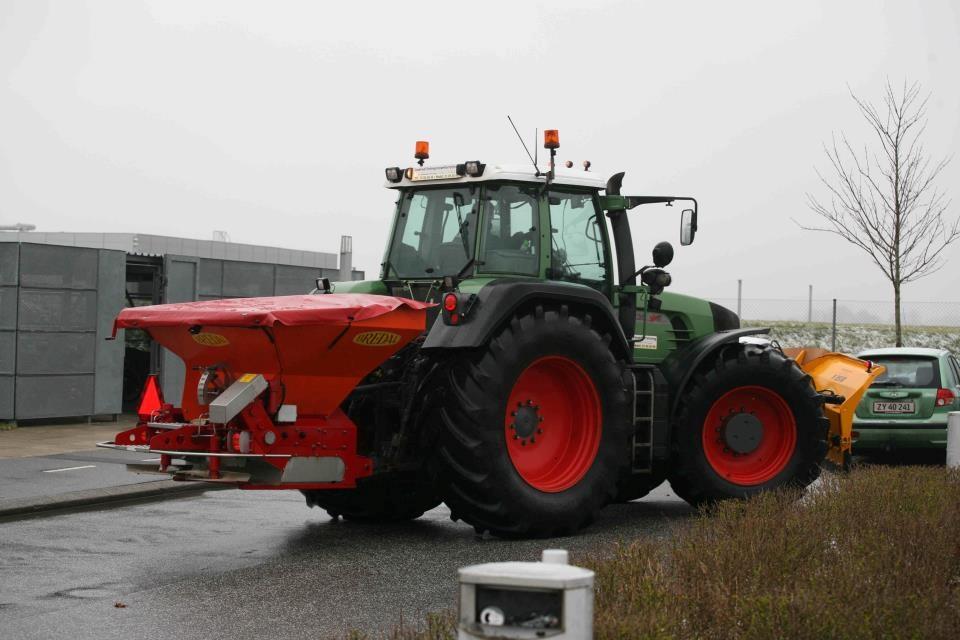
x,y
553,424
761,414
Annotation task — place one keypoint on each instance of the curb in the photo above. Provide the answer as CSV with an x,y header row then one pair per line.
x,y
103,497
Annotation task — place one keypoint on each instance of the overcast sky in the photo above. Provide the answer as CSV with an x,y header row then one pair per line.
x,y
274,120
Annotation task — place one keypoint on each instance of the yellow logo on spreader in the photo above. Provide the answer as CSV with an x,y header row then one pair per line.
x,y
377,339
210,339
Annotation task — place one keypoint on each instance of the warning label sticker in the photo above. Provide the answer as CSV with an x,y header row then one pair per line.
x,y
648,342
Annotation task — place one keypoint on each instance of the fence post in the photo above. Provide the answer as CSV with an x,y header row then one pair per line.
x,y
810,306
953,439
739,297
833,339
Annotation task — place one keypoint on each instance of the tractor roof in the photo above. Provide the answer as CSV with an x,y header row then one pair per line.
x,y
447,174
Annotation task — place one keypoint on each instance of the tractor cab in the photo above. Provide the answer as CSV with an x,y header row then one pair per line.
x,y
499,225
475,223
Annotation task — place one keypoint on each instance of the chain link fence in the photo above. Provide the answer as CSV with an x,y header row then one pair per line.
x,y
851,325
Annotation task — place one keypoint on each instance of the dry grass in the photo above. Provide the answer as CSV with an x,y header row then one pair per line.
x,y
872,555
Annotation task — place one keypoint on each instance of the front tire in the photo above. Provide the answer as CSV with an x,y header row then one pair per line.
x,y
534,429
751,423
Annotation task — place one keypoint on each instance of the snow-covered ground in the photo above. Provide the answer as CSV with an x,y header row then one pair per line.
x,y
855,337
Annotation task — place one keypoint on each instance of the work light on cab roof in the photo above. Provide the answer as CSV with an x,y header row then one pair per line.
x,y
551,139
421,151
470,168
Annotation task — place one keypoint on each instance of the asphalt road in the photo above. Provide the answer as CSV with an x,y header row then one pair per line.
x,y
232,564
55,474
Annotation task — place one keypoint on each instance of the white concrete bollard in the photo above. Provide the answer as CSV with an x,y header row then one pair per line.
x,y
526,600
953,439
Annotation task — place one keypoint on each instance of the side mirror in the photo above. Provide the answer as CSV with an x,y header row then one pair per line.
x,y
662,254
688,226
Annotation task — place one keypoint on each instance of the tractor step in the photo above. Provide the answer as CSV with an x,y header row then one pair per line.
x,y
649,417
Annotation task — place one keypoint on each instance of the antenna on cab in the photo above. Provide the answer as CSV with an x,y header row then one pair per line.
x,y
536,149
535,167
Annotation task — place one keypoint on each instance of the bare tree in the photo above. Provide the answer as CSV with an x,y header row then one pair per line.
x,y
884,200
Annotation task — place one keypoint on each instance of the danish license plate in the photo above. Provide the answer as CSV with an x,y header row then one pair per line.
x,y
894,407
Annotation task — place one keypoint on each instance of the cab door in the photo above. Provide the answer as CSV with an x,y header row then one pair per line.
x,y
578,240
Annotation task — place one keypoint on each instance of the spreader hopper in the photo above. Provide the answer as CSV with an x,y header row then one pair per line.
x,y
265,378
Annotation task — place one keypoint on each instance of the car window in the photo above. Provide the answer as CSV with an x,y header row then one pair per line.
x,y
911,372
955,366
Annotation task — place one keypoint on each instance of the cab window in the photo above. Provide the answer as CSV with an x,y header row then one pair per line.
x,y
511,241
577,239
435,232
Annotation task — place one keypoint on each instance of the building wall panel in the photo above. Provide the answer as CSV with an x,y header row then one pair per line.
x,y
108,359
211,278
6,398
57,310
295,280
180,278
8,308
49,353
9,264
51,266
247,279
53,396
8,352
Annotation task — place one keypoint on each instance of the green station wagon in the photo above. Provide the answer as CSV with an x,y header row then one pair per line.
x,y
907,406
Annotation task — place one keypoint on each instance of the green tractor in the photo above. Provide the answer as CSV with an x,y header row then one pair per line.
x,y
562,377
511,361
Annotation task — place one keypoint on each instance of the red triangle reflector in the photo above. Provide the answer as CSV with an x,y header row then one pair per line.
x,y
151,399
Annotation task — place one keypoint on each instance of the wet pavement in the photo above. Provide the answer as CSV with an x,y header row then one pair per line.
x,y
232,564
59,473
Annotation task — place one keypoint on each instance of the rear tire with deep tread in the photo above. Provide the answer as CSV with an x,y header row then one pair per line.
x,y
772,375
472,464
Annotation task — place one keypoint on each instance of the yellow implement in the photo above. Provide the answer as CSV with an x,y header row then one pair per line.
x,y
843,380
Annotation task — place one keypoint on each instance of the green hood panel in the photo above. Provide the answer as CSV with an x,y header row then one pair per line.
x,y
680,320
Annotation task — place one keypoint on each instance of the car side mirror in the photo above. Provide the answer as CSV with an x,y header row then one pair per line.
x,y
688,226
662,254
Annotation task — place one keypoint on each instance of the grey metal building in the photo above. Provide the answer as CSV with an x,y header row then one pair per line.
x,y
59,293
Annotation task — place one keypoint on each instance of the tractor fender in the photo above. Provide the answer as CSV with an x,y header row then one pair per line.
x,y
499,300
678,368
